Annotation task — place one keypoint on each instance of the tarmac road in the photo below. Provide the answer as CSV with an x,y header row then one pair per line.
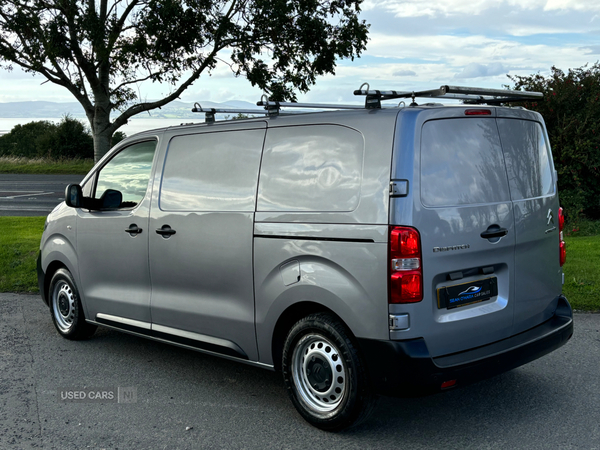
x,y
32,195
188,400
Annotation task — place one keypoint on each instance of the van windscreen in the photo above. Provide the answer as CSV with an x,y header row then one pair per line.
x,y
462,163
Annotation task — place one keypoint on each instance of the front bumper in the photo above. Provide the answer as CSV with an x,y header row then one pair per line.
x,y
406,369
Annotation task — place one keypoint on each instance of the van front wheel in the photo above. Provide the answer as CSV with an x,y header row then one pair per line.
x,y
324,374
65,307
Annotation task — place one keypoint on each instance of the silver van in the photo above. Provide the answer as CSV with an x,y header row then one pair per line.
x,y
372,251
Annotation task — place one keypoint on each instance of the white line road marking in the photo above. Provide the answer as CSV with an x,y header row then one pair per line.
x,y
32,194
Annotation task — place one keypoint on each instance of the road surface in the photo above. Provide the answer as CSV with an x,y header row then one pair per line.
x,y
187,400
32,195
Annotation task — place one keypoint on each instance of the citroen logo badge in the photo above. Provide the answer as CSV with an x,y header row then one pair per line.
x,y
550,217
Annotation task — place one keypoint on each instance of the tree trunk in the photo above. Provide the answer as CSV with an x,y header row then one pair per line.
x,y
101,126
101,144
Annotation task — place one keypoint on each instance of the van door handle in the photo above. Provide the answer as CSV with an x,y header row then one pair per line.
x,y
165,231
494,231
133,230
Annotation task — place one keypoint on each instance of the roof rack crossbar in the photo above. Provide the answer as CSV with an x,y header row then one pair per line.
x,y
210,112
308,105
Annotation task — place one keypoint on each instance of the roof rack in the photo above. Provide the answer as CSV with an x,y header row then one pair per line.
x,y
269,108
469,95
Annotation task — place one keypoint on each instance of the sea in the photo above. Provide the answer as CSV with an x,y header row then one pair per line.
x,y
132,127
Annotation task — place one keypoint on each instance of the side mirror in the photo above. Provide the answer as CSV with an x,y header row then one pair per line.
x,y
73,196
111,199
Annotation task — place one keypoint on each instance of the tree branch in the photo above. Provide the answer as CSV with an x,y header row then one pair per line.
x,y
141,107
140,80
118,29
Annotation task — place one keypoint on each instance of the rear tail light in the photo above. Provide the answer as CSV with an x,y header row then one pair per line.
x,y
405,270
562,247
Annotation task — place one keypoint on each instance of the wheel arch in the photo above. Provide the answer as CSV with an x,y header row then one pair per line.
x,y
288,318
52,268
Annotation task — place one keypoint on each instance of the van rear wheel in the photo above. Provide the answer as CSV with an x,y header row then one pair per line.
x,y
65,307
324,374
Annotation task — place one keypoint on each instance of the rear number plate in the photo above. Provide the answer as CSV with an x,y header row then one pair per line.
x,y
467,293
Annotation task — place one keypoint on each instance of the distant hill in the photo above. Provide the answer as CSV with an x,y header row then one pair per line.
x,y
174,110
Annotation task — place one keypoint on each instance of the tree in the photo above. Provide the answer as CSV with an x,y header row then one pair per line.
x,y
26,140
101,50
67,139
571,110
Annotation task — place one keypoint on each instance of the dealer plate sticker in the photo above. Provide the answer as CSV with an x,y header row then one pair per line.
x,y
467,293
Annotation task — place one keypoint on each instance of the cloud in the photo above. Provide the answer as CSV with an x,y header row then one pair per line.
x,y
572,5
591,49
404,73
457,8
475,70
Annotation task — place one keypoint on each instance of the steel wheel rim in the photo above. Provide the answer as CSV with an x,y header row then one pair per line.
x,y
314,358
63,306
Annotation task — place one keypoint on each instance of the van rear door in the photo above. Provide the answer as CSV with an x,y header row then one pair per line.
x,y
464,214
538,276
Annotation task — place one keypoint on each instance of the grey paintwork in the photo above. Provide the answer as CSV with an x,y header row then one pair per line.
x,y
229,273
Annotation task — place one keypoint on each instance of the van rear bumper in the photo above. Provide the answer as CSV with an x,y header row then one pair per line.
x,y
406,369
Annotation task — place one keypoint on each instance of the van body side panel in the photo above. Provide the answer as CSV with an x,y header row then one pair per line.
x,y
327,231
202,276
59,243
347,276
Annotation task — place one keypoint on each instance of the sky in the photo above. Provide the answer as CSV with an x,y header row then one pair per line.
x,y
413,45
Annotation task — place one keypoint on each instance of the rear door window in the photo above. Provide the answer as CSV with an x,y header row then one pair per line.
x,y
527,158
462,163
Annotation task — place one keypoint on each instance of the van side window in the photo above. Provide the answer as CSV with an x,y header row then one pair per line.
x,y
212,171
311,168
527,161
462,163
128,172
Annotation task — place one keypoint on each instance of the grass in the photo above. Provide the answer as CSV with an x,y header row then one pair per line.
x,y
20,240
19,245
582,273
10,164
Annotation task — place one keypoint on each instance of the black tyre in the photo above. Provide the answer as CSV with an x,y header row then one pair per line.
x,y
324,374
65,307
